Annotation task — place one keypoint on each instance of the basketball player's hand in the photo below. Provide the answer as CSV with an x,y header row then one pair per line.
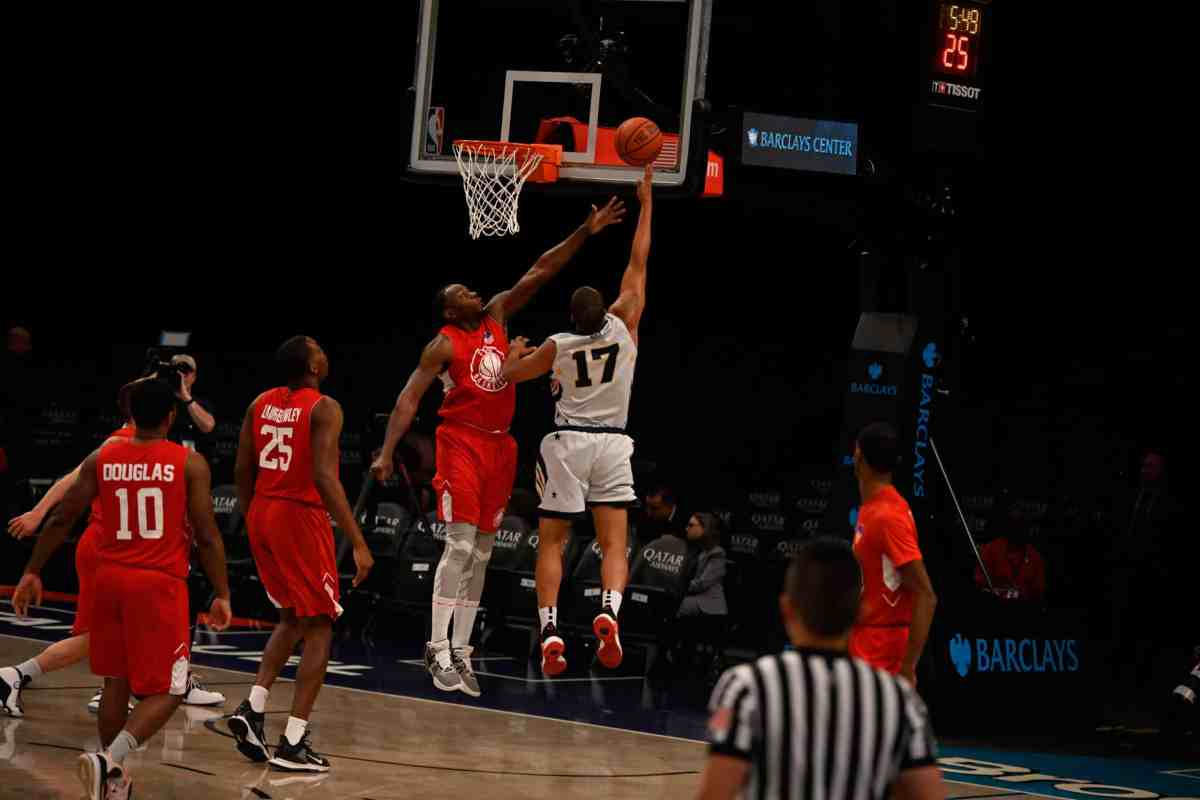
x,y
364,561
28,592
518,348
220,614
909,674
24,525
382,468
643,186
611,214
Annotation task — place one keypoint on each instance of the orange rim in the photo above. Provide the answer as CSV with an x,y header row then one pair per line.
x,y
545,172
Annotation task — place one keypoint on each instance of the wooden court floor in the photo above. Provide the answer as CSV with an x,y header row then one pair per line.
x,y
380,747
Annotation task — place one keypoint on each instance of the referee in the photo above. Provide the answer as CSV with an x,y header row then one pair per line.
x,y
815,724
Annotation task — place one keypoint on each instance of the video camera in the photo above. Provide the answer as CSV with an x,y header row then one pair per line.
x,y
159,366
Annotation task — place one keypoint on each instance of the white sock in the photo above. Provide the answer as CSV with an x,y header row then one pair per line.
x,y
464,622
122,746
443,612
295,730
31,668
548,615
470,589
258,699
612,599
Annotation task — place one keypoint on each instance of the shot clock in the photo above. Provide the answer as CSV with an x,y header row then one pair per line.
x,y
958,43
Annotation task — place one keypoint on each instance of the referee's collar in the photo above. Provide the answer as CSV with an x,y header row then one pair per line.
x,y
820,651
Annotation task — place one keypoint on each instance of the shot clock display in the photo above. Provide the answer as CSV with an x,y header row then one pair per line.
x,y
959,39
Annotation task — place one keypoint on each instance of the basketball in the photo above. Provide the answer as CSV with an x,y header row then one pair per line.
x,y
638,141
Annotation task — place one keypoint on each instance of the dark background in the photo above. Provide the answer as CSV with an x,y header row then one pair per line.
x,y
242,177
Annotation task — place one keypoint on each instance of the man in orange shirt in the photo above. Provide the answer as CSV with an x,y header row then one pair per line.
x,y
898,599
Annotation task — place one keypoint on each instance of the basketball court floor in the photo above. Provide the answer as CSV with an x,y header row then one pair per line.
x,y
389,734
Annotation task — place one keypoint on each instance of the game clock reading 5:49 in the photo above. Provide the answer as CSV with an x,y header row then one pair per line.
x,y
957,48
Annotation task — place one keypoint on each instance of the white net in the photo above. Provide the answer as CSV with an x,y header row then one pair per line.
x,y
492,181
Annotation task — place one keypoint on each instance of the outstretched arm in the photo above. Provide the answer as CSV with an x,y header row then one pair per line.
x,y
632,300
504,305
81,492
25,524
522,365
434,358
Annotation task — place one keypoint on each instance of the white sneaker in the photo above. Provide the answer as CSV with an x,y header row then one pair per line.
x,y
11,684
437,661
93,770
197,695
94,703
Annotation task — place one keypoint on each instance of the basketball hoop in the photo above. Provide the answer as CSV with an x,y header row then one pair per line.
x,y
493,174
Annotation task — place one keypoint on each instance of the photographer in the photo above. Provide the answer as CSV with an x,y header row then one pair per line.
x,y
192,419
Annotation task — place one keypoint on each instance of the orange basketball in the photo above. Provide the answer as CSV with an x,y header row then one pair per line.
x,y
638,141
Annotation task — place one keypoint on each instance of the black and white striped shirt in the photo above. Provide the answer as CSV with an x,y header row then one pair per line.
x,y
819,725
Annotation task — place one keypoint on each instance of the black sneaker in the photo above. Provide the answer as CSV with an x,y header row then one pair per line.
x,y
247,728
298,757
553,662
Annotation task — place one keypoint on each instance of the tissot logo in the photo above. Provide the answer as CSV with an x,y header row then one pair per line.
x,y
956,90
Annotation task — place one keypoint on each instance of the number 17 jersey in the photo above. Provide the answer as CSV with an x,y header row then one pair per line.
x,y
593,376
282,423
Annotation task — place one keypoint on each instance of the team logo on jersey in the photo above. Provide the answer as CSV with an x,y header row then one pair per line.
x,y
486,366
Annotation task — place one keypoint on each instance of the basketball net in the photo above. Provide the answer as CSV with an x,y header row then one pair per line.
x,y
492,181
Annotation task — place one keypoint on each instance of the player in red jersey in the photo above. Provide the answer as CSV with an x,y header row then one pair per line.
x,y
63,654
287,481
148,489
898,599
476,456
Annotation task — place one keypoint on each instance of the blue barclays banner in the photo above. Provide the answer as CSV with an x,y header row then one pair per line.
x,y
812,145
1013,664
